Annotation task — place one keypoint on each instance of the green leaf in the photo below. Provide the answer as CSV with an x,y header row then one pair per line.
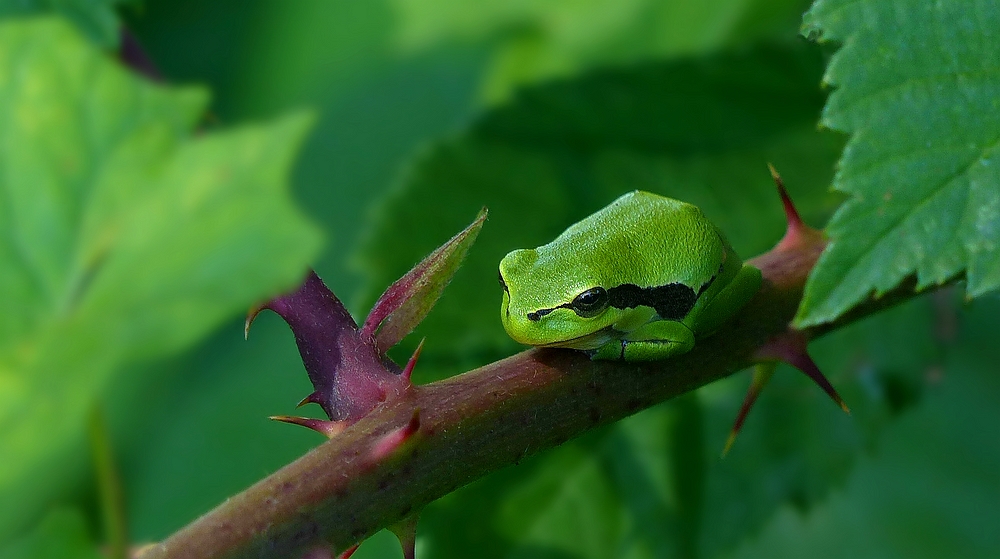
x,y
569,508
634,490
123,237
536,41
930,489
917,87
701,130
62,535
95,18
619,492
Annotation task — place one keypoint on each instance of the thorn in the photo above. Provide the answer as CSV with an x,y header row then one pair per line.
x,y
791,214
393,440
406,533
251,315
310,399
729,441
805,364
790,347
349,377
761,376
328,429
797,231
349,551
408,370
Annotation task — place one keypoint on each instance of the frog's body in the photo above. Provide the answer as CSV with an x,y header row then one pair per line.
x,y
638,280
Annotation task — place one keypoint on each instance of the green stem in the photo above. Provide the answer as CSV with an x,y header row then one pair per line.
x,y
109,486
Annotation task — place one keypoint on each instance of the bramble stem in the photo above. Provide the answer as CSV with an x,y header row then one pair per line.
x,y
478,422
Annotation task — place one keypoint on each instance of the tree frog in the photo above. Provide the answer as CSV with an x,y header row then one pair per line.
x,y
639,280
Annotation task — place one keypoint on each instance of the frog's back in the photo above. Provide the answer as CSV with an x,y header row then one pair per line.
x,y
643,239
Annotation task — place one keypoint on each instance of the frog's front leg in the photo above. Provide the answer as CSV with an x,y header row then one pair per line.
x,y
652,341
731,298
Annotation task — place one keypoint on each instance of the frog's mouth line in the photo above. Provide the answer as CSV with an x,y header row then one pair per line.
x,y
592,340
506,291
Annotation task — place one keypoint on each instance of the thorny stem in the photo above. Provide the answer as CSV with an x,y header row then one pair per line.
x,y
472,424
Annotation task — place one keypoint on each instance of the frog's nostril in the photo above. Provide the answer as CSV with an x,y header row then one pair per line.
x,y
537,315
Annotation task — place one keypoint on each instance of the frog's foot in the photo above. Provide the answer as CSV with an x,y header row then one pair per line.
x,y
733,297
653,341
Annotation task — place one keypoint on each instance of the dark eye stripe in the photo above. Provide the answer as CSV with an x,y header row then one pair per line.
x,y
671,302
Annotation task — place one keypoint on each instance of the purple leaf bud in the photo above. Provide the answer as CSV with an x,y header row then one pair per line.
x,y
405,303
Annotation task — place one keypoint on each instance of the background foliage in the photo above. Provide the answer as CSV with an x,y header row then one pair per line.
x,y
542,111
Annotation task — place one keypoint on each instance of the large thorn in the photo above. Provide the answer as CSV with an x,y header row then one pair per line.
x,y
791,214
349,377
790,347
395,439
349,551
797,232
762,374
804,363
406,533
328,429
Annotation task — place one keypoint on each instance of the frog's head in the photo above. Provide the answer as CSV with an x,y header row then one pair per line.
x,y
548,302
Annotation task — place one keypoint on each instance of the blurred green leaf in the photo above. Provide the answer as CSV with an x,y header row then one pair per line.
x,y
918,89
539,40
375,108
610,493
61,535
206,436
797,446
569,508
96,18
629,491
122,237
930,489
701,130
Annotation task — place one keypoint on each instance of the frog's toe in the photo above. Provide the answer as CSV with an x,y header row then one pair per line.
x,y
610,351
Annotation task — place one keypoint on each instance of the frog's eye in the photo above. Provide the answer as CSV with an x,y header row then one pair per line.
x,y
591,302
